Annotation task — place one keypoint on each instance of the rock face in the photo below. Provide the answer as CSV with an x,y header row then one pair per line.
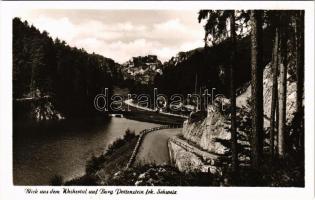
x,y
200,148
242,100
46,111
187,157
37,108
205,133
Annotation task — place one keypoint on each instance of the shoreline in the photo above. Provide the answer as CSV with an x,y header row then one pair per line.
x,y
154,118
148,115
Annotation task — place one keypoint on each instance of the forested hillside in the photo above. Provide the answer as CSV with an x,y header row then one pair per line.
x,y
71,76
209,68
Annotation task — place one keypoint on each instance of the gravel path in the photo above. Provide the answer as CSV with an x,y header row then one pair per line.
x,y
154,147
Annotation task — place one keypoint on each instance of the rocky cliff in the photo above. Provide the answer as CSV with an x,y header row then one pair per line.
x,y
206,133
242,100
46,111
37,109
201,146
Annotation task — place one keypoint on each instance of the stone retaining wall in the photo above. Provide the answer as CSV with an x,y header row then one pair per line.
x,y
189,158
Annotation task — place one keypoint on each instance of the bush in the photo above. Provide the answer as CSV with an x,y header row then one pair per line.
x,y
56,180
83,181
154,175
94,164
129,135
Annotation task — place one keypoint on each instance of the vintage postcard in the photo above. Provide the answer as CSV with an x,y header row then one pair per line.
x,y
157,100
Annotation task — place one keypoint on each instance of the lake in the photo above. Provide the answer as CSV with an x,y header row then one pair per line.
x,y
41,151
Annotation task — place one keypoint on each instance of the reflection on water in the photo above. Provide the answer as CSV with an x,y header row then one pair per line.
x,y
42,151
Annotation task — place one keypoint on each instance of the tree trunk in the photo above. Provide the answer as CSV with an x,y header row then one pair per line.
x,y
283,92
274,91
277,109
232,95
257,87
300,70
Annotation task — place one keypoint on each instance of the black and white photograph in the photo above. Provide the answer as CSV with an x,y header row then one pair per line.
x,y
196,98
159,97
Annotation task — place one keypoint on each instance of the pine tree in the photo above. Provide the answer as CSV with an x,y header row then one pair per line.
x,y
232,94
283,87
299,33
274,94
257,87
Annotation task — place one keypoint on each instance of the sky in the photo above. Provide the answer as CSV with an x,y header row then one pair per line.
x,y
122,34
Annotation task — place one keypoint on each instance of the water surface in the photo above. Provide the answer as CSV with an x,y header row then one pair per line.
x,y
42,151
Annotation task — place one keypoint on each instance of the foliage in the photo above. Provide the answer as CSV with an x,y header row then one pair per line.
x,y
295,129
56,180
70,75
217,22
288,172
83,181
129,135
165,175
94,164
209,67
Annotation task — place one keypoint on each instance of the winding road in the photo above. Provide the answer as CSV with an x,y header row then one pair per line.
x,y
154,147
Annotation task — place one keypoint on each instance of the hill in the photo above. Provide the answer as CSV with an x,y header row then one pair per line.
x,y
208,68
46,67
